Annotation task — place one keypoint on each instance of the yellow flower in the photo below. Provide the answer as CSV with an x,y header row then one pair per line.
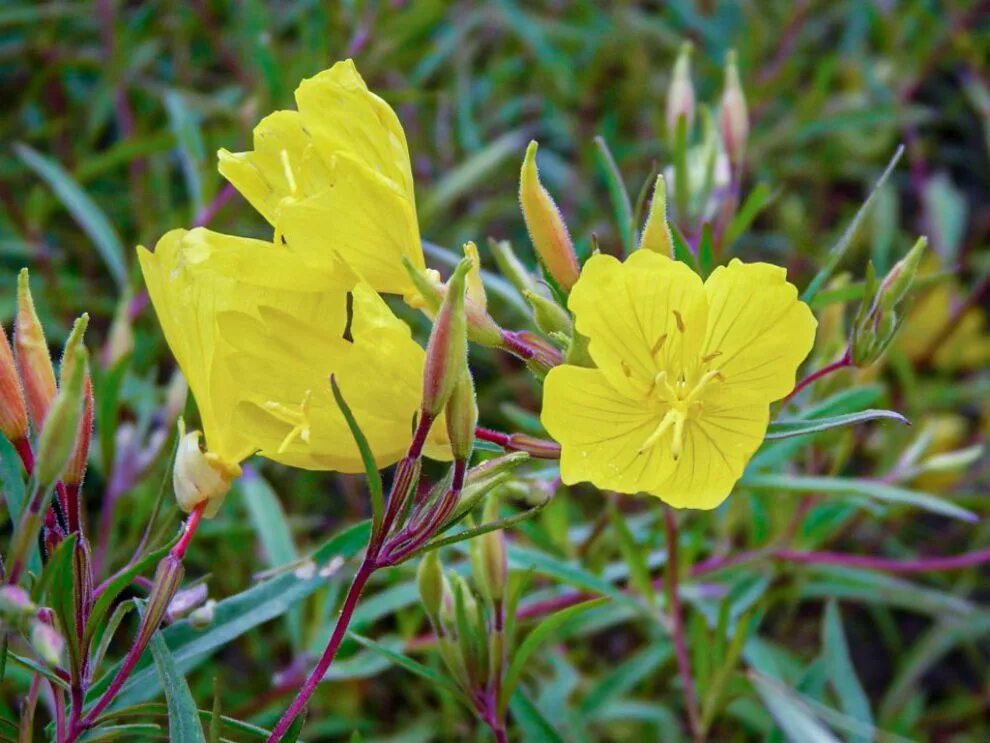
x,y
258,332
686,372
334,180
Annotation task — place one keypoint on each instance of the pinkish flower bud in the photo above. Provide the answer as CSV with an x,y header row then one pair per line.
x,y
47,642
13,411
447,348
680,95
733,116
33,359
546,226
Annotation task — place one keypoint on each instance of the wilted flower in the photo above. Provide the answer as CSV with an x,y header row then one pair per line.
x,y
686,374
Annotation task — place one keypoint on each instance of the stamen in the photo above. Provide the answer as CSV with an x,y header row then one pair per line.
x,y
660,430
295,416
710,357
625,368
658,345
702,383
680,321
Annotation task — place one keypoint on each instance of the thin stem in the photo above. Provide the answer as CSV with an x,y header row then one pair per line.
x,y
27,714
887,564
677,626
841,363
536,447
192,523
316,675
58,702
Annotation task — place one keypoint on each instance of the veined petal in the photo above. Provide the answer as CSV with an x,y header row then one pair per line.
x,y
641,317
194,277
283,364
717,445
274,169
360,217
600,431
342,115
757,326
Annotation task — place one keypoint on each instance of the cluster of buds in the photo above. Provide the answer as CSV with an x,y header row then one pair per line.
x,y
471,634
49,421
877,319
19,614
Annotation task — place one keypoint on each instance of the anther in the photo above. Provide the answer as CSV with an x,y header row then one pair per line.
x,y
680,321
658,344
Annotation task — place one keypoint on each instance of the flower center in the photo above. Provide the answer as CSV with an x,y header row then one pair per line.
x,y
679,400
296,416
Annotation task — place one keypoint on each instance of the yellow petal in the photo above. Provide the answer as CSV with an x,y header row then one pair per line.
x,y
641,316
600,432
360,217
717,445
194,277
757,326
340,114
273,170
283,363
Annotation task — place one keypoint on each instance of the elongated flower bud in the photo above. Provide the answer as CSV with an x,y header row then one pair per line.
x,y
58,437
200,476
447,347
33,359
550,317
733,115
76,467
656,232
680,95
511,267
898,281
546,226
429,578
462,416
475,286
13,411
168,577
494,563
47,642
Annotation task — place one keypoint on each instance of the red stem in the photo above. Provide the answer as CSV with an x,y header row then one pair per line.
x,y
316,675
841,363
677,625
192,523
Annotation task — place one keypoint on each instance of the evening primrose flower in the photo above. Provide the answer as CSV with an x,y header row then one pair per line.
x,y
686,371
257,334
334,180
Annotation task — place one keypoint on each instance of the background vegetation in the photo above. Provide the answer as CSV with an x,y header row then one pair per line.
x,y
111,116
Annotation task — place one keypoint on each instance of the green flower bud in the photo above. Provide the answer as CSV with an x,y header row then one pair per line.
x,y
550,317
447,348
61,428
462,416
429,578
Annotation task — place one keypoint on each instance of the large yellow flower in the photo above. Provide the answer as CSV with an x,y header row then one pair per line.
x,y
258,333
686,372
334,179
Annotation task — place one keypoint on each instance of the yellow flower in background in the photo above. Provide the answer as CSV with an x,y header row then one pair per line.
x,y
334,180
258,334
686,371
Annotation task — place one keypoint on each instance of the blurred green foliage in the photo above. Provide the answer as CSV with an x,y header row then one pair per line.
x,y
112,112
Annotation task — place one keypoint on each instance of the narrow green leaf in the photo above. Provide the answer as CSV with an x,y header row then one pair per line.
x,y
634,555
534,725
403,661
782,429
794,717
11,479
841,673
477,531
370,467
838,251
857,486
192,151
268,518
617,193
534,639
85,211
755,202
183,716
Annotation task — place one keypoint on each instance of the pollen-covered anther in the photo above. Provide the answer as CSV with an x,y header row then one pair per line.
x,y
296,416
658,344
680,321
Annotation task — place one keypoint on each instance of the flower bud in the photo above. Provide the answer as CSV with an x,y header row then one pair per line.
x,y
46,641
475,286
462,416
733,116
203,617
482,479
429,578
481,328
546,225
33,359
15,605
13,411
168,576
900,278
656,232
447,348
185,602
491,565
61,428
120,341
545,355
200,476
76,467
680,95
550,317
511,267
